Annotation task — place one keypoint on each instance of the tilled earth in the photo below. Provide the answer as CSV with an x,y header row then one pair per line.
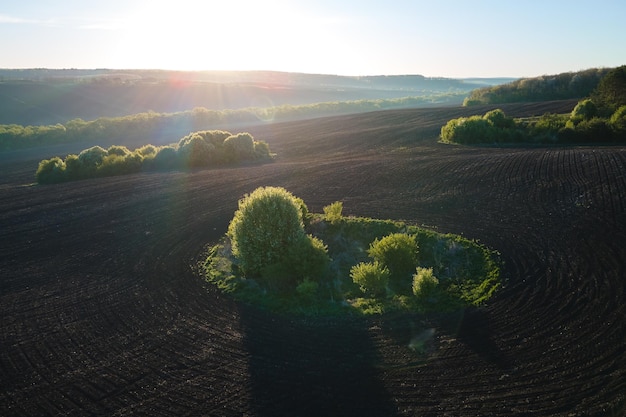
x,y
102,313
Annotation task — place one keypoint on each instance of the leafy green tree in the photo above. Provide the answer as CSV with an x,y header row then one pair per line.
x,y
611,91
371,277
266,225
398,252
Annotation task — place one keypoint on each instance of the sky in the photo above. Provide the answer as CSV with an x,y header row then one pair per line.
x,y
438,38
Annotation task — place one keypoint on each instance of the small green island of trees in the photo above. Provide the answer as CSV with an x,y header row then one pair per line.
x,y
279,256
600,118
198,149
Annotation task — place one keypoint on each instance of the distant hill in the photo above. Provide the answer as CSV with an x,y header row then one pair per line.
x,y
49,96
568,85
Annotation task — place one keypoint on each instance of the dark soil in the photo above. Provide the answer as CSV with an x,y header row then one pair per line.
x,y
102,313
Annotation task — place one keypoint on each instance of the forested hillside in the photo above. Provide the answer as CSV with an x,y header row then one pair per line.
x,y
562,86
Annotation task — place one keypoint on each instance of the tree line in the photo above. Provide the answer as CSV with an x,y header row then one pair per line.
x,y
601,118
153,124
569,85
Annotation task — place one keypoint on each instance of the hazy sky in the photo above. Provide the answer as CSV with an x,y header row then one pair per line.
x,y
448,38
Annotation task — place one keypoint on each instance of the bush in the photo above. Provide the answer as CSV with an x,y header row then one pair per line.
x,y
239,147
73,170
617,122
332,212
51,171
307,259
371,277
118,150
398,252
166,158
266,225
261,150
584,110
468,130
595,129
90,159
307,291
424,283
147,150
498,119
194,151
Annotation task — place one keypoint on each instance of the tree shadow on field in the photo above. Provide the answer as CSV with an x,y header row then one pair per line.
x,y
475,333
317,367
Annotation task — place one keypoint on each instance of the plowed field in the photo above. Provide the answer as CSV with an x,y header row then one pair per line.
x,y
102,313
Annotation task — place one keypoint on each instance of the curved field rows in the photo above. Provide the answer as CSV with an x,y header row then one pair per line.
x,y
102,313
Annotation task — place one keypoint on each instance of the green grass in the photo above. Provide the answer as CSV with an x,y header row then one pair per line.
x,y
468,272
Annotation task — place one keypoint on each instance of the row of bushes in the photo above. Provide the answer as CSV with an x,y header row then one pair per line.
x,y
198,149
583,125
154,124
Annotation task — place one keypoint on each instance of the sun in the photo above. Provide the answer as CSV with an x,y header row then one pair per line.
x,y
194,35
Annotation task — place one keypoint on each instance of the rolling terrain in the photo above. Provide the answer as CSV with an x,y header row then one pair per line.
x,y
102,313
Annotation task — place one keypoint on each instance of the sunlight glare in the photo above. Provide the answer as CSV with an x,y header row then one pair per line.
x,y
192,35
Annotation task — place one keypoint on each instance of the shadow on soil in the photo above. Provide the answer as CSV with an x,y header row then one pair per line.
x,y
475,333
312,368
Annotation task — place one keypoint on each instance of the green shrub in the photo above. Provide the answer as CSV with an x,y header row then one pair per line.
x,y
148,150
239,147
305,259
118,150
424,283
195,152
261,150
332,212
371,277
595,129
72,167
584,110
90,159
468,130
166,158
266,225
51,171
617,122
398,252
307,291
498,119
215,137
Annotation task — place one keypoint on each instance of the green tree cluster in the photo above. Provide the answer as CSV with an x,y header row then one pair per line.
x,y
587,123
493,127
569,85
274,255
198,149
